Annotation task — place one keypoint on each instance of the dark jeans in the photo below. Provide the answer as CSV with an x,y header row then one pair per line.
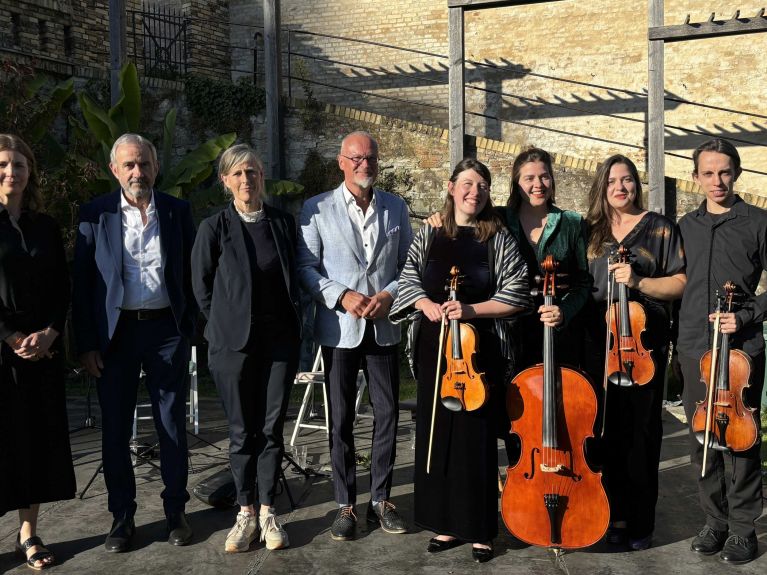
x,y
254,386
341,368
157,347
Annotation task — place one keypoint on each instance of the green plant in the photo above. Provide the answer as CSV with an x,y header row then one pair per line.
x,y
220,105
398,181
312,113
318,174
103,127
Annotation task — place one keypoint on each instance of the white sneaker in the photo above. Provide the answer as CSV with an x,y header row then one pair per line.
x,y
245,531
272,532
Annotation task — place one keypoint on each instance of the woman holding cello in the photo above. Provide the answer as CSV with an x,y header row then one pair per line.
x,y
456,468
654,275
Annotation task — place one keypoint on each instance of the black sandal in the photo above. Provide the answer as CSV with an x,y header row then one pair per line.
x,y
22,548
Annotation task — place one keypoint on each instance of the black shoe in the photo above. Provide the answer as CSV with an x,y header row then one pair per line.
x,y
738,550
385,514
616,536
179,530
120,535
437,545
482,554
708,541
344,525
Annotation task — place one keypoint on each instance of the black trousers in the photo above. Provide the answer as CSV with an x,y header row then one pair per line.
x,y
341,368
631,450
156,346
731,502
254,386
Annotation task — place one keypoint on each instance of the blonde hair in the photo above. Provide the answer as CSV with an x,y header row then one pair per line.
x,y
235,155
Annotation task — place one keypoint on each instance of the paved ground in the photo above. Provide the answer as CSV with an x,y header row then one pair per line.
x,y
75,529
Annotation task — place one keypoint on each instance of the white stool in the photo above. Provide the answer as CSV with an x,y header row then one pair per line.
x,y
317,375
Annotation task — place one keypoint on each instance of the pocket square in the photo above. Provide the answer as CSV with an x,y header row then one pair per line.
x,y
392,231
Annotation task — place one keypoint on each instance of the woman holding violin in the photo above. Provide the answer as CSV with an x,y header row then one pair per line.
x,y
456,469
654,275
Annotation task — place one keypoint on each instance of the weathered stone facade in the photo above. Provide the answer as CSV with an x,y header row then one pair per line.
x,y
568,76
71,37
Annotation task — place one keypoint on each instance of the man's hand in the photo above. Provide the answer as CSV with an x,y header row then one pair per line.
x,y
92,362
728,322
355,303
378,306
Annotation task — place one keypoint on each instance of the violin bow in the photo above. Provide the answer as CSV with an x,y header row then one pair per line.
x,y
610,285
436,389
711,381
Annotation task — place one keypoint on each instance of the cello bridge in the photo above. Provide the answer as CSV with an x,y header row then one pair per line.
x,y
552,468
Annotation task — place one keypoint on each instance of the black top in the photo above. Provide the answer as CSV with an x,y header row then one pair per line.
x,y
471,258
730,247
34,283
656,251
270,302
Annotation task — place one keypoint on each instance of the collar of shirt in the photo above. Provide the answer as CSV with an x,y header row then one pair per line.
x,y
126,207
350,199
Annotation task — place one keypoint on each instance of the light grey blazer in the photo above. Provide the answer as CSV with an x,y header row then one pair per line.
x,y
331,259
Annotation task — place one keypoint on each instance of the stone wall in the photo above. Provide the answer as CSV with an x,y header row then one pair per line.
x,y
71,37
569,76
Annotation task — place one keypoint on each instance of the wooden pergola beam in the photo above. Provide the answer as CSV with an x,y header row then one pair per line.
x,y
479,4
710,29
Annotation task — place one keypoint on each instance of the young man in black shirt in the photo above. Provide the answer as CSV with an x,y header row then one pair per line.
x,y
724,240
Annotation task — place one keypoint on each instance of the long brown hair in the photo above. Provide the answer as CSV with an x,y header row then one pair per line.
x,y
529,155
32,198
488,222
599,216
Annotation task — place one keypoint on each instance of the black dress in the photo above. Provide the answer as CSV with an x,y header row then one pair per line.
x,y
35,456
633,428
459,496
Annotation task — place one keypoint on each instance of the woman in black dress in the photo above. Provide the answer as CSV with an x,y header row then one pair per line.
x,y
35,456
655,276
243,276
458,499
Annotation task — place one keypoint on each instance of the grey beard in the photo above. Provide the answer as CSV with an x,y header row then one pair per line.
x,y
140,194
364,183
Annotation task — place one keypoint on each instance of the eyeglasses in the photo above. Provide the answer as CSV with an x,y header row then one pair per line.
x,y
357,160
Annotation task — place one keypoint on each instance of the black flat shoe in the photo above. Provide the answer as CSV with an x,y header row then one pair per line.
x,y
178,529
482,554
437,545
120,535
738,550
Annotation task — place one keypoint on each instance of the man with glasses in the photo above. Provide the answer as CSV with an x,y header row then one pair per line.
x,y
352,245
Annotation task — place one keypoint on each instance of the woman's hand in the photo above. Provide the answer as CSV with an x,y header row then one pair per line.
x,y
431,310
624,274
456,310
551,315
434,220
37,345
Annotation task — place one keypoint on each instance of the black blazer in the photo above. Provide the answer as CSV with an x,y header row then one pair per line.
x,y
222,273
98,284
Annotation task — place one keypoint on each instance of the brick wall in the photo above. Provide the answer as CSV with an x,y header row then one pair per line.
x,y
573,74
71,37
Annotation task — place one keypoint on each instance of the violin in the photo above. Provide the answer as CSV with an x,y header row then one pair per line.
x,y
724,421
551,497
463,387
628,362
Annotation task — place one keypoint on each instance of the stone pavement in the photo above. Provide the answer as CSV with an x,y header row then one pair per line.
x,y
75,530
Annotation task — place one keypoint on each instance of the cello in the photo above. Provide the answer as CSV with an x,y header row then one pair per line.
x,y
551,497
463,387
724,421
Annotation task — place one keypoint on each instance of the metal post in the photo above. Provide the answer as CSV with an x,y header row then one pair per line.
x,y
116,46
656,164
456,97
272,86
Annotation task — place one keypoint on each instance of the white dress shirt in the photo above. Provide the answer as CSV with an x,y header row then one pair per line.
x,y
366,223
142,259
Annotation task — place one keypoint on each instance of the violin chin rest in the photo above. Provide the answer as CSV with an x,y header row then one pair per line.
x,y
452,403
620,379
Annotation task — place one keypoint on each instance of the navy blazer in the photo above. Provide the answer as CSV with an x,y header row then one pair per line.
x,y
222,273
98,267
